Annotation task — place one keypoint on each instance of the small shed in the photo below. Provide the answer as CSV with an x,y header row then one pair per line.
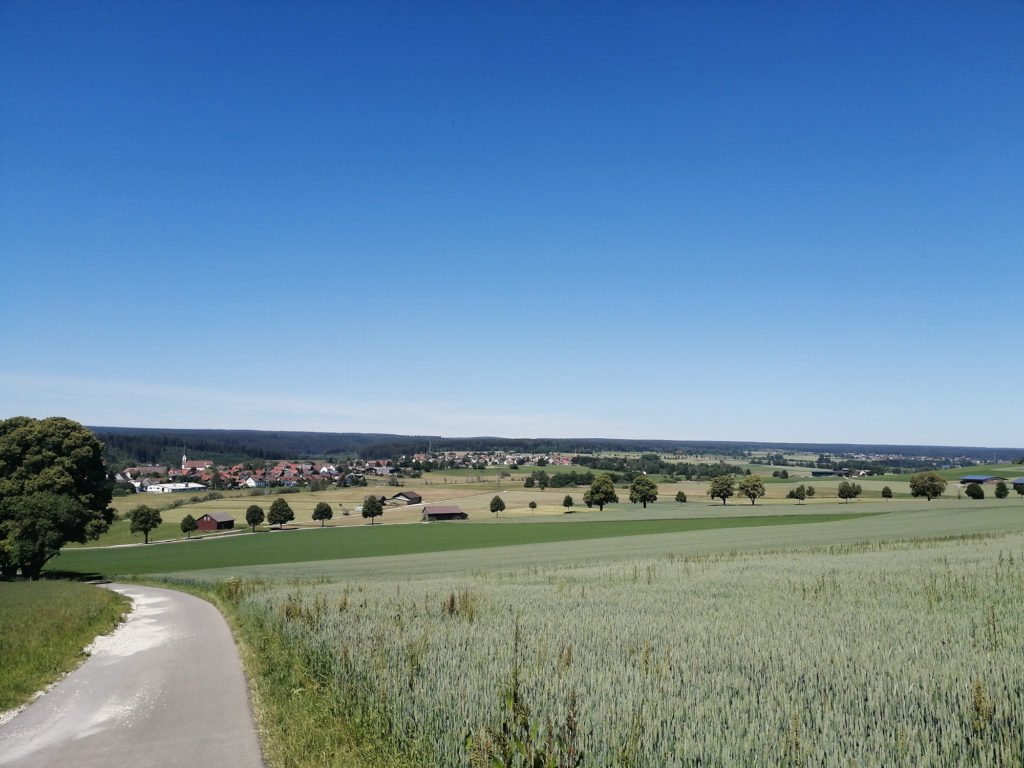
x,y
215,521
1018,482
441,512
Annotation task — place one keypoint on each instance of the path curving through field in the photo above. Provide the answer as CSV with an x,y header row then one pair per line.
x,y
164,689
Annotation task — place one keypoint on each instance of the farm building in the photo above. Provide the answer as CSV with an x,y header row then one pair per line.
x,y
441,512
216,521
1019,481
407,497
980,479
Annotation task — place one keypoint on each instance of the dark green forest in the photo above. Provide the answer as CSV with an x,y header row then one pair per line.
x,y
138,445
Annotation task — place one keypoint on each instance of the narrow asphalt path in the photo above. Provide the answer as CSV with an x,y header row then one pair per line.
x,y
165,689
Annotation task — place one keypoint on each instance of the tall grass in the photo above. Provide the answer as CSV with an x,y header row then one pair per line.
x,y
44,626
884,654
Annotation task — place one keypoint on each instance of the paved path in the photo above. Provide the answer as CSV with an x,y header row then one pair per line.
x,y
165,689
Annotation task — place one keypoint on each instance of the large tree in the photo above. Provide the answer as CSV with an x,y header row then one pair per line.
x,y
53,490
722,487
567,502
497,505
848,490
643,489
927,484
254,516
322,512
280,512
372,507
1002,490
601,492
752,486
681,497
145,519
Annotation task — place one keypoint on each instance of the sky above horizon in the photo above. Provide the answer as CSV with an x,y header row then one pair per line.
x,y
787,221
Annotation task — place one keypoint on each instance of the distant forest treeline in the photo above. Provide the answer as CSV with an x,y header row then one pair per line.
x,y
136,445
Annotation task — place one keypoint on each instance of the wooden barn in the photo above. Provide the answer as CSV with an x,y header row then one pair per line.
x,y
407,498
440,512
215,521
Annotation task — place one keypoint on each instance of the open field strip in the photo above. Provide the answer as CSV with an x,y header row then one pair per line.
x,y
824,644
911,524
368,541
43,628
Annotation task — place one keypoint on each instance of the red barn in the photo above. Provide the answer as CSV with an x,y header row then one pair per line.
x,y
215,521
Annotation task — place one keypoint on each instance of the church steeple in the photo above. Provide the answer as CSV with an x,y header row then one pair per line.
x,y
184,458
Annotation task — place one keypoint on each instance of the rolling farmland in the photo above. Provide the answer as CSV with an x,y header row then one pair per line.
x,y
889,639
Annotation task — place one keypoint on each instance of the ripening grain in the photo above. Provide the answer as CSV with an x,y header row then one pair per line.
x,y
897,654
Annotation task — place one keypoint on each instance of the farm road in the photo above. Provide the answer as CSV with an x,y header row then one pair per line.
x,y
165,689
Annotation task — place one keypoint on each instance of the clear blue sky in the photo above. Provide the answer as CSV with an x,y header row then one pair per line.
x,y
739,221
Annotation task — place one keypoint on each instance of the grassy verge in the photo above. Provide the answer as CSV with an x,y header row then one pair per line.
x,y
303,719
367,541
44,626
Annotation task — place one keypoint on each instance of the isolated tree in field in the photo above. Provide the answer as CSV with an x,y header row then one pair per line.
x,y
322,512
927,484
601,492
643,490
799,493
567,502
254,516
280,513
188,524
53,490
497,505
533,505
681,497
752,486
1002,490
887,493
848,490
145,519
372,507
722,487
975,491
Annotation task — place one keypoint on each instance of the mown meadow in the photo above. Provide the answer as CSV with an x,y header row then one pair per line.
x,y
885,640
43,627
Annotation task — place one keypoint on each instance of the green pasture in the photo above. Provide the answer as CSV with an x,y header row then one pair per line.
x,y
370,541
1009,471
909,521
43,627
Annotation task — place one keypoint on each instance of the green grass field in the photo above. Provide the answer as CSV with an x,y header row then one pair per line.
x,y
296,546
43,627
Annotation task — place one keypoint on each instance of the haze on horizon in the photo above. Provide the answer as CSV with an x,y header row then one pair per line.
x,y
792,222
